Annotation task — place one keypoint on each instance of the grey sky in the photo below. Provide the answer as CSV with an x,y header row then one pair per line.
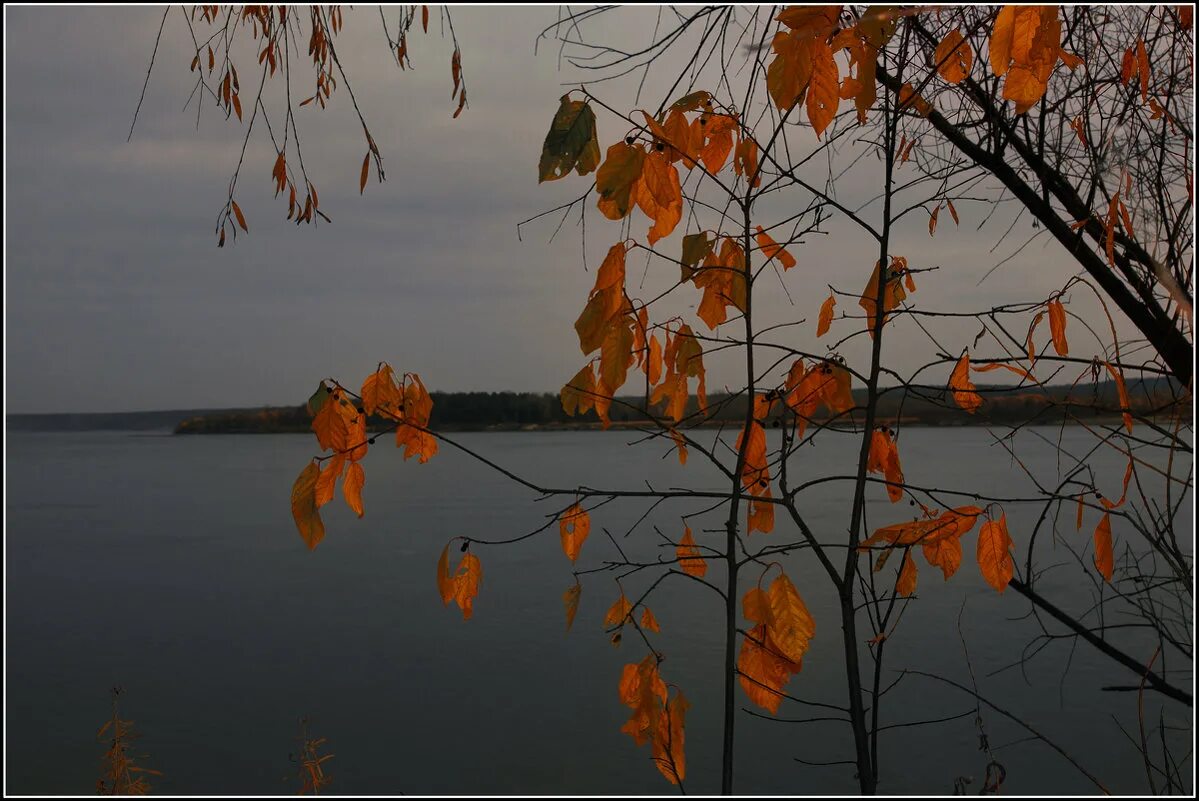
x,y
117,297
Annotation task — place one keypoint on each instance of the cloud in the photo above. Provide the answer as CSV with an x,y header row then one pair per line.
x,y
119,299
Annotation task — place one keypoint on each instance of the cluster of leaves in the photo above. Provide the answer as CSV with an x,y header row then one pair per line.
x,y
658,717
339,423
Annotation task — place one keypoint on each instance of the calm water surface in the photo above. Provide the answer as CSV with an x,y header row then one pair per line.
x,y
171,566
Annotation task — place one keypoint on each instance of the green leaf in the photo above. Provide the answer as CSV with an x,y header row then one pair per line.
x,y
693,101
696,248
318,398
571,143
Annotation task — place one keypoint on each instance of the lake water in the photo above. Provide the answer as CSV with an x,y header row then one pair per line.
x,y
171,566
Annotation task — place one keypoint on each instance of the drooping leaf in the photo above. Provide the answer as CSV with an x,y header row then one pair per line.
x,y
616,179
994,553
826,315
574,525
352,487
954,57
304,508
648,621
962,387
1057,327
690,561
571,143
570,601
773,250
1104,557
824,93
1122,394
327,481
618,612
905,583
791,625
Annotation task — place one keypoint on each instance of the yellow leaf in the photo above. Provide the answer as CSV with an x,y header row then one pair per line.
x,y
791,625
574,525
303,506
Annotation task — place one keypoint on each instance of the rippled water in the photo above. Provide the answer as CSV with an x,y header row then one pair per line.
x,y
170,566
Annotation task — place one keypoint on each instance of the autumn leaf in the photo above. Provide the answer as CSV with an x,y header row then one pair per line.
x,y
962,387
1104,558
326,482
648,621
616,178
618,612
826,316
445,581
690,561
994,553
241,218
883,457
578,394
1057,327
304,508
366,163
763,671
954,57
824,93
352,487
893,291
1122,394
791,625
571,143
379,391
668,744
574,525
773,250
905,583
570,601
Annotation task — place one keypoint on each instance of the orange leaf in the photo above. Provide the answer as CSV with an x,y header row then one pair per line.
x,y
1057,327
327,481
466,583
772,249
791,625
826,316
366,163
570,600
1122,394
352,487
994,553
574,525
763,670
618,612
241,219
905,584
823,93
303,506
954,57
963,389
1104,558
648,621
690,561
932,220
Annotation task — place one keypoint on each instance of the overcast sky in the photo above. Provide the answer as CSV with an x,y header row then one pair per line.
x,y
118,299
